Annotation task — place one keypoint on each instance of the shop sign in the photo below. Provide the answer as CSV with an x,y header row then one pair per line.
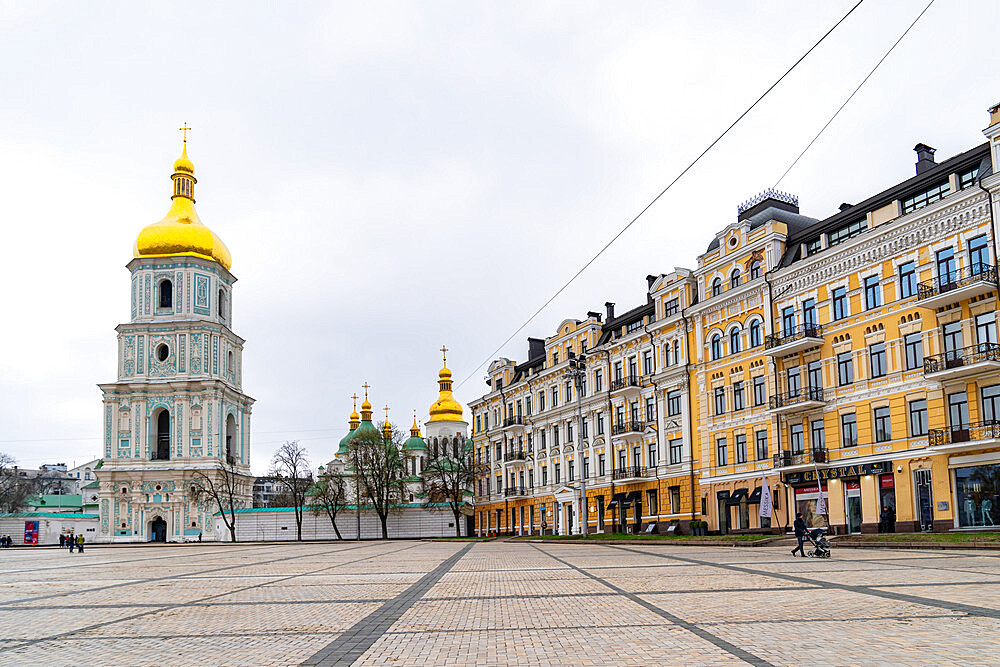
x,y
887,481
838,472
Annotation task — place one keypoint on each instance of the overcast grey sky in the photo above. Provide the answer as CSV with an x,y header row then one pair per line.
x,y
394,177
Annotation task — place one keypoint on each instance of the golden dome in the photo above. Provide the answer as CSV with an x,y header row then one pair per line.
x,y
446,408
181,232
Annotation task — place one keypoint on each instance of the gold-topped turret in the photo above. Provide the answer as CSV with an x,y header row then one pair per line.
x,y
446,408
355,419
415,430
366,407
182,232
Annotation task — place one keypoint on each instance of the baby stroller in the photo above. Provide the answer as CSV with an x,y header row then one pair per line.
x,y
819,541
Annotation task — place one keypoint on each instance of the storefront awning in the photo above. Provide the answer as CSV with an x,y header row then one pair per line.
x,y
737,497
619,498
754,498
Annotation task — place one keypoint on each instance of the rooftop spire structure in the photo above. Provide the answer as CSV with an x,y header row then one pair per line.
x,y
181,231
446,408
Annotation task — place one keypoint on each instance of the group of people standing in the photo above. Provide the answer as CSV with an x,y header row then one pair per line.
x,y
6,542
74,542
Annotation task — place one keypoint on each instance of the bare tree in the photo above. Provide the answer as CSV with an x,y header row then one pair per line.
x,y
450,477
226,488
379,466
329,495
290,465
14,488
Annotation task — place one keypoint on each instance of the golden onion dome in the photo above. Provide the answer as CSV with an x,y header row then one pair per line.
x,y
181,232
446,408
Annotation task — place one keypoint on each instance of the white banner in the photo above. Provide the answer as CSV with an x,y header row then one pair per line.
x,y
821,503
765,498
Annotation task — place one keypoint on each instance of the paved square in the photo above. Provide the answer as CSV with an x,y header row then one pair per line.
x,y
419,603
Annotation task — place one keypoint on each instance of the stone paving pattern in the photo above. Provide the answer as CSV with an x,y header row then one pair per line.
x,y
493,603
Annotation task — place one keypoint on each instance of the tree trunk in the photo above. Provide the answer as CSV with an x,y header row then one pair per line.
x,y
458,524
335,529
385,529
232,532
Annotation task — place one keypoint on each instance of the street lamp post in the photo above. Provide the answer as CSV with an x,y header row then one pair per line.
x,y
577,372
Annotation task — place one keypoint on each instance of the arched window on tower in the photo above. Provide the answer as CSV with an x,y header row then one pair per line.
x,y
222,303
166,294
230,437
161,439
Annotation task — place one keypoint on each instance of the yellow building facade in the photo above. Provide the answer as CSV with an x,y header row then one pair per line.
x,y
853,357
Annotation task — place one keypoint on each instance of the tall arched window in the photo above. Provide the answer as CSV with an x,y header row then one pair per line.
x,y
734,341
166,294
754,270
734,280
230,439
161,439
755,333
717,287
717,346
222,303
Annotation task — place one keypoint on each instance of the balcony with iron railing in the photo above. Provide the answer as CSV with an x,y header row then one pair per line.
x,y
957,285
628,474
630,427
626,383
963,362
795,339
965,433
807,398
513,422
787,458
512,457
516,491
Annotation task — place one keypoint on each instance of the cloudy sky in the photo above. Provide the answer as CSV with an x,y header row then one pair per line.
x,y
394,177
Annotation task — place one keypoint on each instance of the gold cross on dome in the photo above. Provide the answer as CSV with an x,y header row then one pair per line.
x,y
444,353
366,387
184,129
355,397
386,408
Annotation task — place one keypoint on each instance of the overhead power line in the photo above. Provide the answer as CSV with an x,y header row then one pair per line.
x,y
662,192
855,92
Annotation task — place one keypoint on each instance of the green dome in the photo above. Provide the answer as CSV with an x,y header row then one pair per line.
x,y
344,442
415,443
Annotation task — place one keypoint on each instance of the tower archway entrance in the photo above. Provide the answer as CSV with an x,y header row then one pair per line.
x,y
158,530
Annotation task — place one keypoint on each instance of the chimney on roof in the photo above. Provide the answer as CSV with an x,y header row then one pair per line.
x,y
596,316
925,158
610,306
536,347
845,206
650,279
994,112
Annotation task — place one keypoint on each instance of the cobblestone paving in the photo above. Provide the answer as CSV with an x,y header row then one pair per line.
x,y
430,603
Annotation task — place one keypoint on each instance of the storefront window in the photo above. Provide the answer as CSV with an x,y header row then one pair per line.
x,y
978,490
805,502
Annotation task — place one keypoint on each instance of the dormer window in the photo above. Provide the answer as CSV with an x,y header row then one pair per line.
x,y
166,294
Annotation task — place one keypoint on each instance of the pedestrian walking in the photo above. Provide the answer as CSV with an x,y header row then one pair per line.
x,y
71,541
199,536
62,539
79,542
800,533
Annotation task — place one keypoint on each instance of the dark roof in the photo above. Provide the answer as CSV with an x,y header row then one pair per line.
x,y
521,369
926,179
634,315
794,221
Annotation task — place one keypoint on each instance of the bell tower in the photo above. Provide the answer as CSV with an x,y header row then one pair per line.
x,y
177,409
